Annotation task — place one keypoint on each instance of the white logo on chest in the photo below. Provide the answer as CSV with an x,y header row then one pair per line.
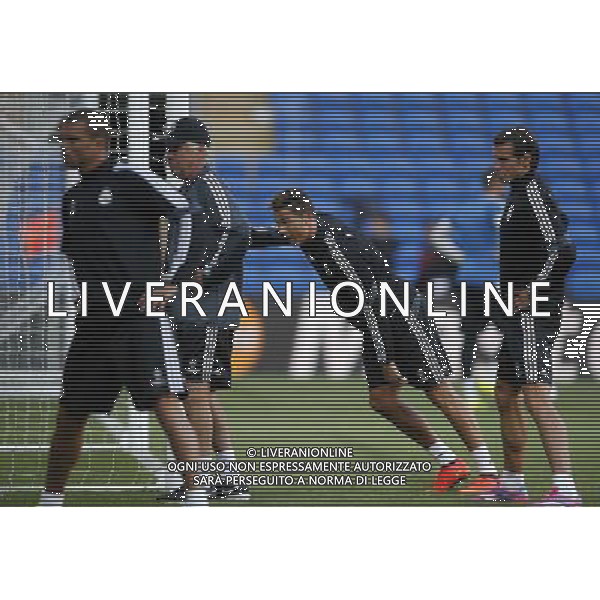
x,y
105,197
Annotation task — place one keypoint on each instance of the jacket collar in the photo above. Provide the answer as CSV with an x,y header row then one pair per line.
x,y
190,182
519,185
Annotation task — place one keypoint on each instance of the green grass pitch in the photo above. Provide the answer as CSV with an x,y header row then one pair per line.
x,y
275,411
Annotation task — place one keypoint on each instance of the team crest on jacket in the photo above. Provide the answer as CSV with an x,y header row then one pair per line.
x,y
158,380
105,197
193,367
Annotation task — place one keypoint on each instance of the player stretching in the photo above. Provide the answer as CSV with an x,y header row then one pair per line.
x,y
222,236
533,247
396,349
110,232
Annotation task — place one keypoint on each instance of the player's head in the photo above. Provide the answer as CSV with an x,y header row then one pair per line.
x,y
85,139
187,148
295,216
516,154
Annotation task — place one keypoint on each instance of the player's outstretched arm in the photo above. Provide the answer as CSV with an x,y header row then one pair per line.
x,y
266,237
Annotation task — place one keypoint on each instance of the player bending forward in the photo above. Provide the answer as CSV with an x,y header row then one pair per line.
x,y
396,349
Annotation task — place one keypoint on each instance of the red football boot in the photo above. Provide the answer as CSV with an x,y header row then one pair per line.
x,y
450,475
482,484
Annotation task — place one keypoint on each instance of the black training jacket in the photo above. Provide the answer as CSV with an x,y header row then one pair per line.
x,y
534,244
340,254
110,222
221,239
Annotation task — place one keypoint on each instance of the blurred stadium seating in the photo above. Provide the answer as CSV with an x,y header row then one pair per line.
x,y
416,156
421,156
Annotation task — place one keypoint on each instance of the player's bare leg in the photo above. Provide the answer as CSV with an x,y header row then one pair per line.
x,y
512,426
189,430
385,401
462,418
221,441
539,399
65,450
199,412
197,420
514,438
458,413
173,418
224,452
553,432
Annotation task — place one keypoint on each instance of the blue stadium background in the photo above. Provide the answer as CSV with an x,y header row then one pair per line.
x,y
414,157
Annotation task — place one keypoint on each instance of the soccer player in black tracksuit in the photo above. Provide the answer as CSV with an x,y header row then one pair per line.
x,y
111,233
534,247
221,239
396,349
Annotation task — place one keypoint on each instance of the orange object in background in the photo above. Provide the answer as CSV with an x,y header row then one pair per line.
x,y
238,122
40,234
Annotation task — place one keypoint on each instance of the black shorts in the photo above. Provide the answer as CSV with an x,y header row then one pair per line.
x,y
205,352
413,344
526,353
110,353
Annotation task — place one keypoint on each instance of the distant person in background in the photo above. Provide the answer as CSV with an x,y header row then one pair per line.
x,y
534,247
376,225
475,320
441,259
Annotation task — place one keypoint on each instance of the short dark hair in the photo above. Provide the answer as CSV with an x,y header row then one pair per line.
x,y
294,199
522,142
95,120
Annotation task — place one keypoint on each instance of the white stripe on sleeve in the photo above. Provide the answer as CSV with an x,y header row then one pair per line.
x,y
184,239
346,267
541,212
224,208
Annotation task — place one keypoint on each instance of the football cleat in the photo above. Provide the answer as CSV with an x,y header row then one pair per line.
x,y
451,475
177,495
482,484
197,496
502,494
557,498
229,492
